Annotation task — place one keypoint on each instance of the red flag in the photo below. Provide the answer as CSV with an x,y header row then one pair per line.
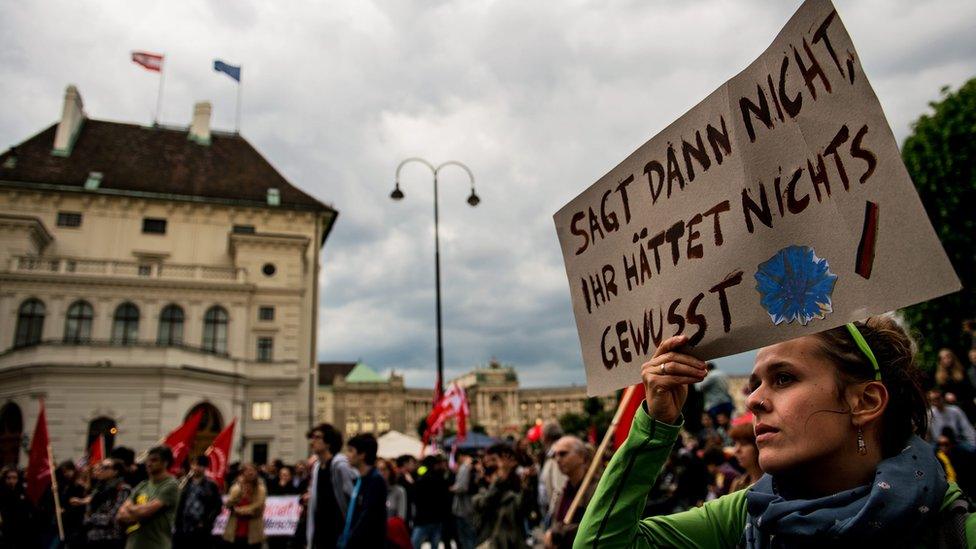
x,y
180,441
630,409
454,404
150,61
39,464
97,451
219,454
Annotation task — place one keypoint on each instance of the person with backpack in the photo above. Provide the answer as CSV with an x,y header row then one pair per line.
x,y
838,416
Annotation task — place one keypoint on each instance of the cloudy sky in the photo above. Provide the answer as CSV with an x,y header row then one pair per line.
x,y
540,99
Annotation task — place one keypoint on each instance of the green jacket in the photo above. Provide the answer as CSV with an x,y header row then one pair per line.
x,y
613,517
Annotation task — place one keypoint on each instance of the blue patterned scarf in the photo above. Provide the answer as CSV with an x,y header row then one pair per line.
x,y
905,498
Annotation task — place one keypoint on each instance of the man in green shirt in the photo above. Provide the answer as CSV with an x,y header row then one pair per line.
x,y
150,511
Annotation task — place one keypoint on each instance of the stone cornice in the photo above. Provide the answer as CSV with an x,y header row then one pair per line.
x,y
32,225
268,240
183,371
119,281
324,210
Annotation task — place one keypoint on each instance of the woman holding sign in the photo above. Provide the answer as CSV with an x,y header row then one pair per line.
x,y
837,418
246,500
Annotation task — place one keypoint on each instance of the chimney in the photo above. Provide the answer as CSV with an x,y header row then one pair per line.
x,y
200,127
72,116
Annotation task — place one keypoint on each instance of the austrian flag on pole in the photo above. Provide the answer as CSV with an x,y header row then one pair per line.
x,y
151,61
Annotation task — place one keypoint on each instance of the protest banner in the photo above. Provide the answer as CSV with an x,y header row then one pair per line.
x,y
777,207
281,515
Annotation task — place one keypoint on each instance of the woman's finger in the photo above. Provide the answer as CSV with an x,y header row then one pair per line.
x,y
659,367
670,344
668,383
677,369
673,356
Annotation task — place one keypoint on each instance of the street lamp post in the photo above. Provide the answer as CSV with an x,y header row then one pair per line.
x,y
473,200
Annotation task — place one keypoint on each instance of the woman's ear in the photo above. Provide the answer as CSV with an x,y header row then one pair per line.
x,y
867,401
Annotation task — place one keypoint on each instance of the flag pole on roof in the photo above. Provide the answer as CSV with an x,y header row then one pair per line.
x,y
235,73
152,62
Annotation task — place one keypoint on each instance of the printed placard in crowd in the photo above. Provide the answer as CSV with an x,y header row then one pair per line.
x,y
778,206
281,515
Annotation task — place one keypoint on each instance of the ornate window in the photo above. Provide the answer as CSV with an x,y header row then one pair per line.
x,y
170,326
352,425
30,323
125,324
211,423
261,411
215,330
78,322
265,349
382,423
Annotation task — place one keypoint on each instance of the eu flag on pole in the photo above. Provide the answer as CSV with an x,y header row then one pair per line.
x,y
229,70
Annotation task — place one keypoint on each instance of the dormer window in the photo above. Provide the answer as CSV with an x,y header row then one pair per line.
x,y
274,197
93,181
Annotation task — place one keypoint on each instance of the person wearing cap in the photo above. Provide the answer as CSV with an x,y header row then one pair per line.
x,y
838,416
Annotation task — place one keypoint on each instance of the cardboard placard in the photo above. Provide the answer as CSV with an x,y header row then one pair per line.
x,y
779,206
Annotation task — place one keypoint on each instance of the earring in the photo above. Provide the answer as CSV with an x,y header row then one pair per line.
x,y
862,448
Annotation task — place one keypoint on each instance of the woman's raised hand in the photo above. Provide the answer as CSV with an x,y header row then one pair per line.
x,y
666,378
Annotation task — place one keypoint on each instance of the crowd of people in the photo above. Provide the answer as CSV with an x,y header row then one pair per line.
x,y
510,495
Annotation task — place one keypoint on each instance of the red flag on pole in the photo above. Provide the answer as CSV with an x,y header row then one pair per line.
x,y
219,454
454,404
149,61
180,441
630,409
39,466
97,451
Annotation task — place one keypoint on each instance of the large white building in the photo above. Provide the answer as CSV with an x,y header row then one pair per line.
x,y
146,272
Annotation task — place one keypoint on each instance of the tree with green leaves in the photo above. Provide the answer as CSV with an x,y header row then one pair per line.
x,y
940,155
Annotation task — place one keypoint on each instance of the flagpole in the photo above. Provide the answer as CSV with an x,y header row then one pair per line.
x,y
598,456
237,123
54,492
159,93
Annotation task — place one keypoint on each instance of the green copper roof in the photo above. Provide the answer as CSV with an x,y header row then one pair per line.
x,y
363,374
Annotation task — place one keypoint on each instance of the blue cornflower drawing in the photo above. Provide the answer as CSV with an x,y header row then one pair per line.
x,y
795,284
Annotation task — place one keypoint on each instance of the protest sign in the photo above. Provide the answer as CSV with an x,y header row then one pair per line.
x,y
777,207
281,515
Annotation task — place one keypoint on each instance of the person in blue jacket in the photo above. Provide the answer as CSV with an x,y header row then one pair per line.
x,y
366,517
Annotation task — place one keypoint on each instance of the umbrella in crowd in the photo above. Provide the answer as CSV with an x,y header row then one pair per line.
x,y
474,441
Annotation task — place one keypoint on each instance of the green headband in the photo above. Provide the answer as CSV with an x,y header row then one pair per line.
x,y
862,344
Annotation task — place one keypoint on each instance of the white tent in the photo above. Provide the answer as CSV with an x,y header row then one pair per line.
x,y
394,444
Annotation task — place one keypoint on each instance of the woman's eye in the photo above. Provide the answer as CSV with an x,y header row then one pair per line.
x,y
782,379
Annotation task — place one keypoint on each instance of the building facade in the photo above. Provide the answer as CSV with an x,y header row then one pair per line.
x,y
147,272
356,399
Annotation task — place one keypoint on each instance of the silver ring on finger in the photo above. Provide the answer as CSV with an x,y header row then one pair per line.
x,y
664,369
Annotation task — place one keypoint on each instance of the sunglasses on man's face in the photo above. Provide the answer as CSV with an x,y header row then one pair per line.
x,y
562,453
316,437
